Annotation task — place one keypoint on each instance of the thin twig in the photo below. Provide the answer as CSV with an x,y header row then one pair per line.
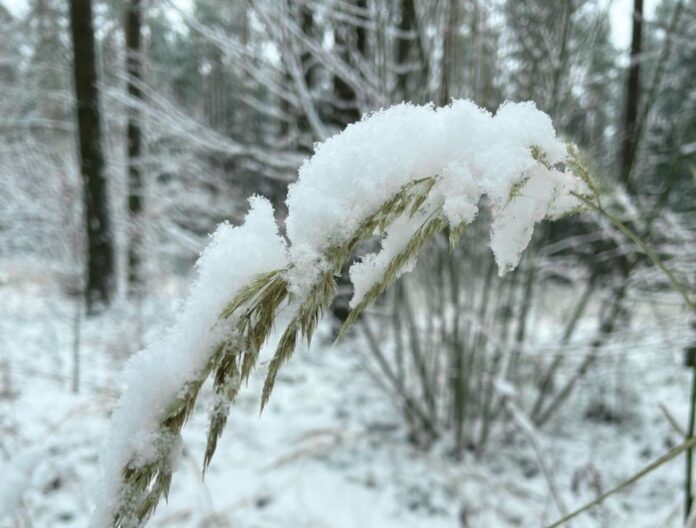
x,y
526,427
669,455
672,420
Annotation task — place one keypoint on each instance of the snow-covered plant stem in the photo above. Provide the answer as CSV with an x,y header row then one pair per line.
x,y
404,174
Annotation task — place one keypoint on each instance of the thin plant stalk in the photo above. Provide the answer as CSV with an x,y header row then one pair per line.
x,y
548,376
688,485
669,455
606,329
77,329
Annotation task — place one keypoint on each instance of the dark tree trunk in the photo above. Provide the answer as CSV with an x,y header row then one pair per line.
x,y
404,44
628,148
100,252
449,51
133,23
411,76
348,110
306,18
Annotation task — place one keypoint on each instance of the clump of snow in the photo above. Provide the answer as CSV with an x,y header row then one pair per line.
x,y
234,256
471,152
545,194
459,193
307,265
353,173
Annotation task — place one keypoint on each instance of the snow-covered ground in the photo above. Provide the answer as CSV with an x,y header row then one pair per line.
x,y
329,450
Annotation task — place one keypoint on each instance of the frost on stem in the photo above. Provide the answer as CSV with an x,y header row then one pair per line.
x,y
404,173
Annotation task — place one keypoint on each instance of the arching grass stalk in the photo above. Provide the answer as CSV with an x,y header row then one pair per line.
x,y
520,171
669,455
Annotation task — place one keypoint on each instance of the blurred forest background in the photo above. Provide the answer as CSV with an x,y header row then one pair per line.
x,y
181,110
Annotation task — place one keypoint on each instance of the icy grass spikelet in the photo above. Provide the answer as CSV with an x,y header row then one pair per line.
x,y
405,174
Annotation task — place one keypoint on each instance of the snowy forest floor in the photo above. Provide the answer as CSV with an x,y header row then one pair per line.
x,y
329,450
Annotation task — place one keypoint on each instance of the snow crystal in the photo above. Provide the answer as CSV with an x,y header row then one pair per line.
x,y
155,375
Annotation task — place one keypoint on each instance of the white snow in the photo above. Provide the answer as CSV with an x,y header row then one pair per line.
x,y
354,172
545,194
471,152
15,479
331,448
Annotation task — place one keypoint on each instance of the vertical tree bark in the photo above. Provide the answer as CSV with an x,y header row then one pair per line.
x,y
100,252
245,111
448,52
132,26
407,28
628,149
306,19
296,126
348,110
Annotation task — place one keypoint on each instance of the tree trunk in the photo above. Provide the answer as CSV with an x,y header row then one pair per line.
x,y
449,48
132,26
407,29
100,252
628,149
306,19
347,109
